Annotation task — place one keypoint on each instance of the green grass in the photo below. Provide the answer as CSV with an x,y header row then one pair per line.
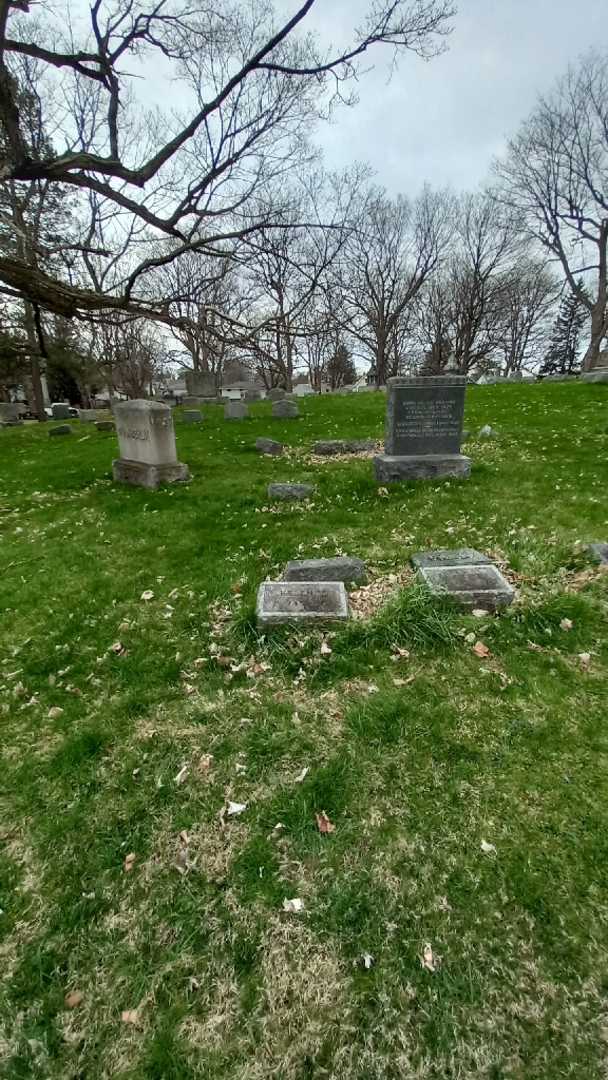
x,y
416,759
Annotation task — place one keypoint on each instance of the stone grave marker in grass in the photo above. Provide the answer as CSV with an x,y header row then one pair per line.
x,y
291,492
146,440
269,446
465,576
61,429
423,429
599,553
236,410
61,411
192,416
301,602
285,410
341,568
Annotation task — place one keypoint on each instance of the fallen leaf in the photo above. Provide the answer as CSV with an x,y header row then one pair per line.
x,y
481,650
147,595
205,762
479,612
293,907
324,825
73,999
325,649
181,776
129,861
55,712
470,638
124,626
200,660
189,689
117,648
367,961
566,624
235,808
585,658
487,848
404,682
373,689
428,960
130,1016
302,775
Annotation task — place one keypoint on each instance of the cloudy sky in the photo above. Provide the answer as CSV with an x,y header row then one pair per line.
x,y
444,120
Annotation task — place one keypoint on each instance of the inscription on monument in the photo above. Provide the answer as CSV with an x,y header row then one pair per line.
x,y
425,419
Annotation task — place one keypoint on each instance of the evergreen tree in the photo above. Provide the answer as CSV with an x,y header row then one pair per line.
x,y
562,357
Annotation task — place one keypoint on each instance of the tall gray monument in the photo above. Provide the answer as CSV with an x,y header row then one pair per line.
x,y
146,439
424,417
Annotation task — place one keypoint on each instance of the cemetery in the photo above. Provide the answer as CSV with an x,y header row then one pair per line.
x,y
303,540
420,768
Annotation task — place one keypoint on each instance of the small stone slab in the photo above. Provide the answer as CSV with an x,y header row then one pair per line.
x,y
301,602
595,376
276,394
389,469
293,492
143,474
285,410
192,416
599,553
87,416
61,429
236,410
340,568
450,557
331,447
60,411
269,446
104,425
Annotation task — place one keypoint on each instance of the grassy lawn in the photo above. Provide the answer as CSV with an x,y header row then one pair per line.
x,y
468,793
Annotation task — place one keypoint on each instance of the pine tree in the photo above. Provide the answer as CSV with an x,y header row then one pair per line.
x,y
562,355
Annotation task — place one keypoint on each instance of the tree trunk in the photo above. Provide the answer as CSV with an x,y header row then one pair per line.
x,y
599,315
35,367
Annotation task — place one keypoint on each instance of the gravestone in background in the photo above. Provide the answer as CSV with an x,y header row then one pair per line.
x,y
61,411
276,394
192,416
285,410
465,576
236,410
61,429
253,395
10,412
146,440
424,417
87,416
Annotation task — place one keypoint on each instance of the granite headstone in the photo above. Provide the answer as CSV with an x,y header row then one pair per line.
x,y
146,439
423,429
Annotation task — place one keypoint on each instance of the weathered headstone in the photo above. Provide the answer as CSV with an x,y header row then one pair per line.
x,y
192,402
61,429
341,568
87,416
301,602
104,425
276,394
61,411
201,384
192,416
146,439
598,372
285,410
465,576
290,492
269,446
253,395
423,429
10,413
599,553
331,447
236,410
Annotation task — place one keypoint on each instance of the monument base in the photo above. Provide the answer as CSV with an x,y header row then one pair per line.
x,y
599,375
139,474
392,470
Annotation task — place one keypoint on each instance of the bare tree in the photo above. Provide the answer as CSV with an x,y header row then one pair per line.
x,y
554,179
527,295
392,250
128,356
250,86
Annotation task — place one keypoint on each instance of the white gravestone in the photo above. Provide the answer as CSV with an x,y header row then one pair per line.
x,y
146,440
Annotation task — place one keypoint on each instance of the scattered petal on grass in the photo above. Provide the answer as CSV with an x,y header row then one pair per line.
x,y
55,712
294,906
181,776
585,659
566,624
73,999
324,825
147,595
481,650
235,808
325,649
302,775
428,960
488,849
129,861
130,1016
